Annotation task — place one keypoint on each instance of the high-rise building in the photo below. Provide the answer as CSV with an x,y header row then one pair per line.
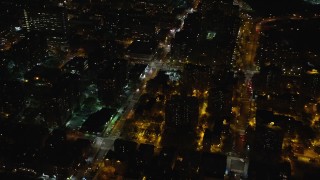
x,y
182,111
197,77
268,142
30,51
111,80
219,102
52,21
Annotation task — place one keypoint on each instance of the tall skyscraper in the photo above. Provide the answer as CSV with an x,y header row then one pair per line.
x,y
52,21
49,20
182,111
30,51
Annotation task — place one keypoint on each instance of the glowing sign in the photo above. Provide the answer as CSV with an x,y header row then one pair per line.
x,y
211,35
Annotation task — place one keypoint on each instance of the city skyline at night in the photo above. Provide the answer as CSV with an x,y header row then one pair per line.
x,y
159,89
